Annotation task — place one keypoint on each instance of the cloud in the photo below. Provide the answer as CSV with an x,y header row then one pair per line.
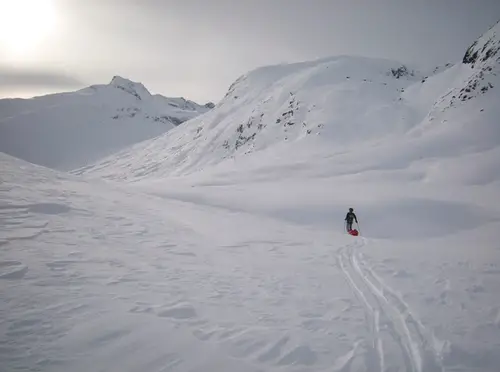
x,y
15,77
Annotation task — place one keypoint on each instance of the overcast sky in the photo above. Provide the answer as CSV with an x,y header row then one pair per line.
x,y
197,48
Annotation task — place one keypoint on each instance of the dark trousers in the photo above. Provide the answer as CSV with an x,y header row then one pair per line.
x,y
349,225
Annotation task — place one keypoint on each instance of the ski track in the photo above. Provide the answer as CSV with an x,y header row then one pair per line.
x,y
388,317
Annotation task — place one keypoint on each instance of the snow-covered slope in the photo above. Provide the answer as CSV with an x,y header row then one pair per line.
x,y
357,108
66,131
228,252
246,274
273,105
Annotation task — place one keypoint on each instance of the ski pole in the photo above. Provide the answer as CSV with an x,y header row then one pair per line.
x,y
359,228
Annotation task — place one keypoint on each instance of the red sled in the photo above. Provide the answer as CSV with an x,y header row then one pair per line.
x,y
353,232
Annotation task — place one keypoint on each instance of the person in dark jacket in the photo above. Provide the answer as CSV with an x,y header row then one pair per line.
x,y
349,218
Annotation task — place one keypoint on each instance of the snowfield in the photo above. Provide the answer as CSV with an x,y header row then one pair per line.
x,y
220,245
114,279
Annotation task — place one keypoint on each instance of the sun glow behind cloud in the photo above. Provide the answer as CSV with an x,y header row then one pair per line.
x,y
25,25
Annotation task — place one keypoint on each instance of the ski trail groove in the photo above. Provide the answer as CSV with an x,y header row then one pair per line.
x,y
403,337
385,306
372,316
425,356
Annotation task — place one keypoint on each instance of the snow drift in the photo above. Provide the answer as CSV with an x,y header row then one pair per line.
x,y
69,130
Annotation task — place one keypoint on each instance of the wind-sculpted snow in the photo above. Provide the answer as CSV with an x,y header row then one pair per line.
x,y
129,278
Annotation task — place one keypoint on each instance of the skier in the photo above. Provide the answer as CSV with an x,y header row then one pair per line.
x,y
349,218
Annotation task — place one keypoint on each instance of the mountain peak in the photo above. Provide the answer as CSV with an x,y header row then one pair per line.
x,y
138,90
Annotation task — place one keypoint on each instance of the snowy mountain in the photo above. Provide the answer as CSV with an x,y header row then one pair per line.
x,y
284,104
221,244
69,130
355,106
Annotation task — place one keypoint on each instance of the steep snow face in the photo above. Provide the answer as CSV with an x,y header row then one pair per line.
x,y
463,120
483,58
66,131
484,51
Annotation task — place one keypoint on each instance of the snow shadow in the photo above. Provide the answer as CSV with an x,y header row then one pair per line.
x,y
48,208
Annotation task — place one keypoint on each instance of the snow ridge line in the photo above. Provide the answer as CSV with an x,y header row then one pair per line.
x,y
421,347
